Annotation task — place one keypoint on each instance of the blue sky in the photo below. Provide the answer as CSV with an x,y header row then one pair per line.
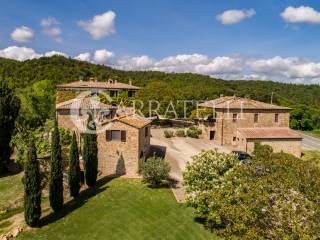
x,y
168,28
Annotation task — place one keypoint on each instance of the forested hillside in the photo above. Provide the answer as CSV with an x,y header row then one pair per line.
x,y
35,82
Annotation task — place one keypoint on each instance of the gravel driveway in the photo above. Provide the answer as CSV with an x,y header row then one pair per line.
x,y
178,150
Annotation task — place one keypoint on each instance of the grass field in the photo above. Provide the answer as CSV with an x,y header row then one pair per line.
x,y
11,190
314,133
121,209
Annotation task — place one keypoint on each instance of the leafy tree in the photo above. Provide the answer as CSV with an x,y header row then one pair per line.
x,y
154,170
90,153
56,174
32,187
9,109
74,168
273,196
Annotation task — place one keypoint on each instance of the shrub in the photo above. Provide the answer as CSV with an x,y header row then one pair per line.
x,y
168,133
155,170
274,196
181,133
194,132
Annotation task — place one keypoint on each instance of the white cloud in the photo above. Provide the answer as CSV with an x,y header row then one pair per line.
x,y
220,65
291,69
19,53
301,14
54,53
234,16
136,63
22,34
84,57
102,56
51,29
100,25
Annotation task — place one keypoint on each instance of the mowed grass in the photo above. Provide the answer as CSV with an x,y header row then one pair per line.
x,y
121,209
11,190
314,133
312,155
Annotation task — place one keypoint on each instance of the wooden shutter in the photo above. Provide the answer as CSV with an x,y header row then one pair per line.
x,y
108,135
123,136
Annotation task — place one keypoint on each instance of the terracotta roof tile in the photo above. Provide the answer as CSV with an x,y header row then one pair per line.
x,y
232,102
269,133
96,85
82,103
135,121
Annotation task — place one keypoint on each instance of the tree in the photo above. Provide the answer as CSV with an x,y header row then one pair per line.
x,y
32,187
9,109
272,196
56,175
74,168
90,153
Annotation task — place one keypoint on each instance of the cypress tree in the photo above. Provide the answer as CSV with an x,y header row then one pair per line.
x,y
90,153
9,110
32,187
74,168
56,175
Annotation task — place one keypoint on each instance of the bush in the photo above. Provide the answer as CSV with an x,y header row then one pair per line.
x,y
274,196
168,133
155,170
194,132
181,133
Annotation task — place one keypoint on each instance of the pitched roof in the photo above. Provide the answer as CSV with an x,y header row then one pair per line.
x,y
85,85
134,121
82,103
233,102
269,133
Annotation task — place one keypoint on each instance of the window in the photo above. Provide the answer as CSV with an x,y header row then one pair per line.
x,y
234,139
146,132
256,117
116,135
276,117
234,117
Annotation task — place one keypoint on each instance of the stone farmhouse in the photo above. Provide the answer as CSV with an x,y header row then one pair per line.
x,y
240,122
123,137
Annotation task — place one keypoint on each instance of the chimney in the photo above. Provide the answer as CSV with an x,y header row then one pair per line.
x,y
115,81
130,82
221,95
80,78
91,79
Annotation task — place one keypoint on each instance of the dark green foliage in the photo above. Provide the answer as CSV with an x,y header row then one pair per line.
x,y
90,153
74,168
32,187
9,109
273,196
56,174
155,170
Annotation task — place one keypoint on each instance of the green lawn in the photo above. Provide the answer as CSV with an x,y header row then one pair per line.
x,y
122,209
312,155
11,190
314,133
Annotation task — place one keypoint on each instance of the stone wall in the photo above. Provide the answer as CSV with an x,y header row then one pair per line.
x,y
226,129
115,157
292,146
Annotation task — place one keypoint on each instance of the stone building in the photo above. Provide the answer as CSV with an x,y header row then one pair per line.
x,y
112,87
123,137
239,122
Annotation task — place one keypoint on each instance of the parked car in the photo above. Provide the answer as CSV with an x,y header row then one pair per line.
x,y
242,156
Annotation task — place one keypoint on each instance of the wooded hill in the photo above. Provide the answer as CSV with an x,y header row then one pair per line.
x,y
35,80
